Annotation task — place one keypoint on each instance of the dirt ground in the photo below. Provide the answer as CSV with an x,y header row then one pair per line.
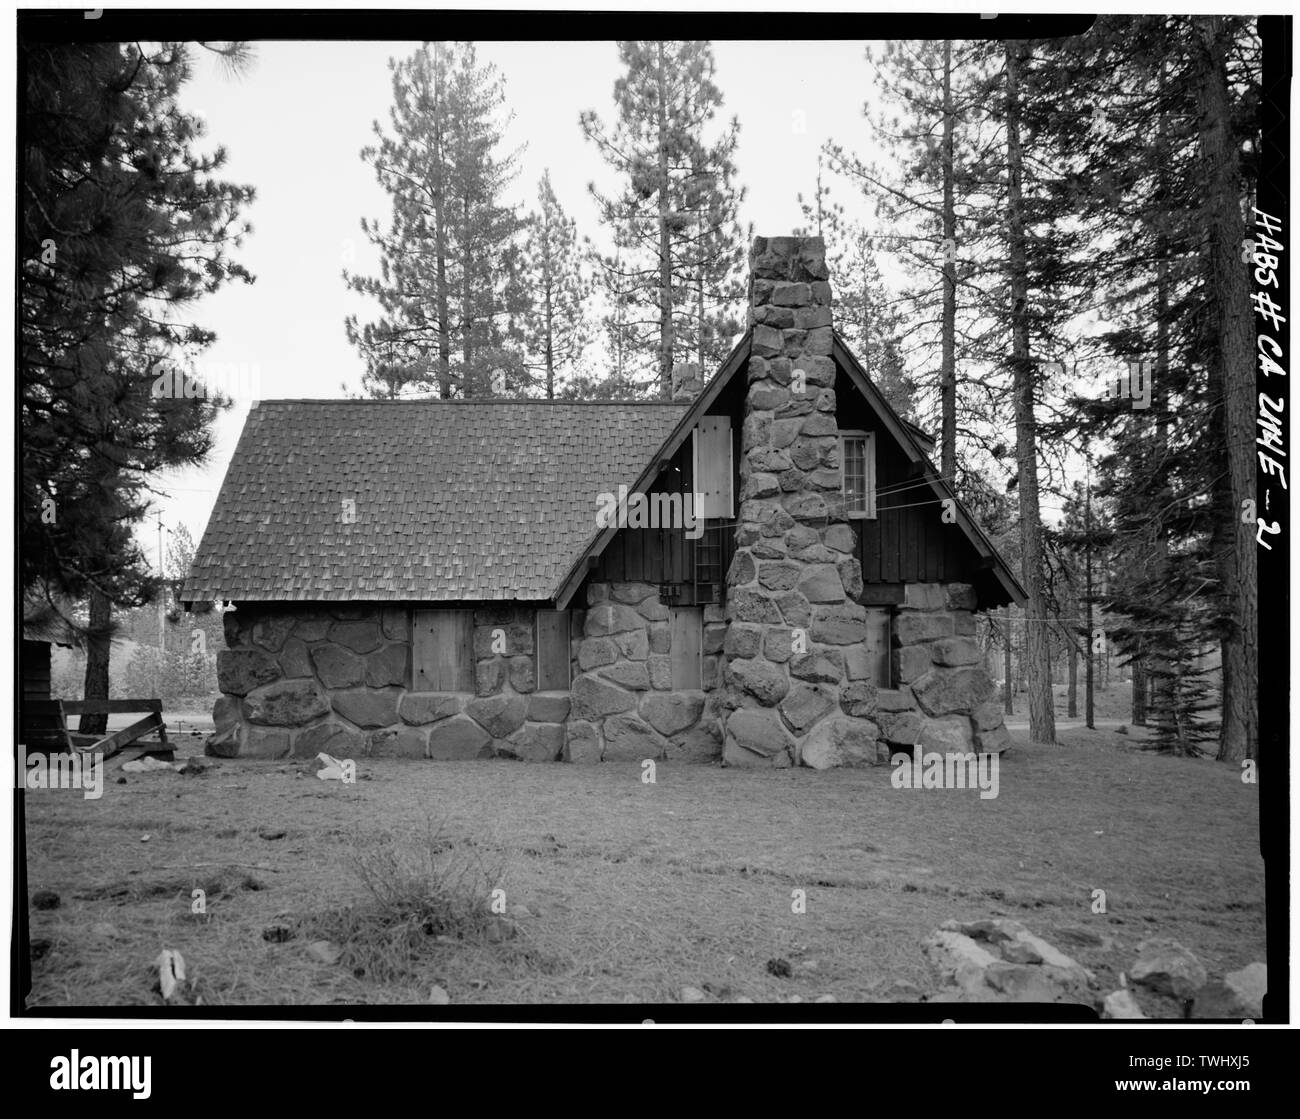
x,y
633,890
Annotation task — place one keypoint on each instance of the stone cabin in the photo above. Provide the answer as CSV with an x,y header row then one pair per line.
x,y
432,579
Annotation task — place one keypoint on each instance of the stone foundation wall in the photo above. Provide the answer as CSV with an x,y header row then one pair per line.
x,y
299,681
944,701
624,707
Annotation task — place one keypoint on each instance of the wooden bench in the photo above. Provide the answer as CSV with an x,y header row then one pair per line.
x,y
45,727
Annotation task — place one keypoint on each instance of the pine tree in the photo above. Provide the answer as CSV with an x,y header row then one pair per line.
x,y
450,287
1143,142
125,227
555,326
678,272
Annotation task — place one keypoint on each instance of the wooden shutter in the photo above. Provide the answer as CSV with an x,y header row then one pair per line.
x,y
713,466
687,648
442,651
878,645
552,650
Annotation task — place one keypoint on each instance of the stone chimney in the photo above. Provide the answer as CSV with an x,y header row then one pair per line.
x,y
791,588
687,382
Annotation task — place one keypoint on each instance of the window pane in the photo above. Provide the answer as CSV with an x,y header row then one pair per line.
x,y
855,474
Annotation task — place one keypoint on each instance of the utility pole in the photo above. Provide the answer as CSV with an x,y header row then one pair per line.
x,y
1087,567
162,575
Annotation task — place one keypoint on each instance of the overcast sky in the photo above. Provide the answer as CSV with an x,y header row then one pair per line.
x,y
294,126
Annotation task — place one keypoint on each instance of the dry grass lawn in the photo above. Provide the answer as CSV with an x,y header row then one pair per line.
x,y
635,890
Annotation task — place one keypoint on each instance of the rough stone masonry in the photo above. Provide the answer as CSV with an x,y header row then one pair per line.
x,y
791,585
796,687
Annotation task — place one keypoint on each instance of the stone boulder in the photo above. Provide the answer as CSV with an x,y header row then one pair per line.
x,y
756,737
294,659
948,691
499,715
395,622
582,745
337,667
1001,960
859,699
367,707
225,743
839,625
420,708
396,742
950,734
629,674
840,741
359,636
701,744
592,699
629,739
955,652
1121,1006
239,671
287,703
900,728
1167,968
225,713
1238,995
548,707
265,742
535,742
331,738
611,618
595,652
912,628
312,626
804,704
1014,945
387,666
459,738
271,630
522,675
760,679
822,584
672,712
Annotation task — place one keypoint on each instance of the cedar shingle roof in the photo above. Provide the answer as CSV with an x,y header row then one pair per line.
x,y
455,500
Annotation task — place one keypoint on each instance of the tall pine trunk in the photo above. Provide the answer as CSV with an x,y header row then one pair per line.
x,y
665,247
98,648
1072,652
1232,392
1006,663
1042,719
440,231
948,361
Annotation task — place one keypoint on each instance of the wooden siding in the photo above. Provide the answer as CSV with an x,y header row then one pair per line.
x,y
907,541
665,555
553,650
443,651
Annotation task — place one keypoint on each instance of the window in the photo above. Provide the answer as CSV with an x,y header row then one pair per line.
x,y
687,648
552,650
442,651
879,645
858,472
